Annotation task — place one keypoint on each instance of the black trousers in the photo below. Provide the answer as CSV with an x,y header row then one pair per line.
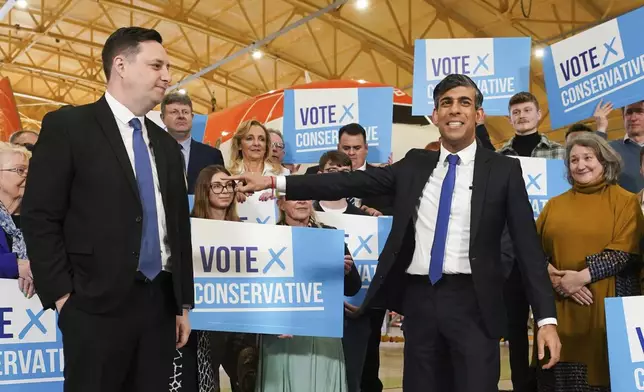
x,y
130,349
518,310
357,332
370,380
444,321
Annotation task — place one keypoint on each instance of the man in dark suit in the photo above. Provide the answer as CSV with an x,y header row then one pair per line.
x,y
441,264
177,115
105,218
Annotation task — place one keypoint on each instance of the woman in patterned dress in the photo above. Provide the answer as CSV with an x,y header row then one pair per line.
x,y
591,236
237,352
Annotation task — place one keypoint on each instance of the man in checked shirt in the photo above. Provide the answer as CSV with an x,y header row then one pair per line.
x,y
527,142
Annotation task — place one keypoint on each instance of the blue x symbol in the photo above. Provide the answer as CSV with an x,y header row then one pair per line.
x,y
259,220
275,258
347,112
609,50
363,244
533,181
481,63
34,321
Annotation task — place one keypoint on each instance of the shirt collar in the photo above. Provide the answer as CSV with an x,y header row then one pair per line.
x,y
122,113
363,167
466,155
186,144
629,140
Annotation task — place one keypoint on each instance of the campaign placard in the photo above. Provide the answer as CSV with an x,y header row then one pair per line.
x,y
624,327
267,279
605,62
312,118
500,67
31,348
365,237
544,179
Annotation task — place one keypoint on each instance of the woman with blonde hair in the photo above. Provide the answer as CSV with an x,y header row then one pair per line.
x,y
305,363
14,263
200,359
590,235
250,151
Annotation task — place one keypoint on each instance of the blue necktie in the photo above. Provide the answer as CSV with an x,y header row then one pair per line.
x,y
442,221
150,255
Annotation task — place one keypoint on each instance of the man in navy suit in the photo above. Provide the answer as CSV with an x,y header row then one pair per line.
x,y
176,113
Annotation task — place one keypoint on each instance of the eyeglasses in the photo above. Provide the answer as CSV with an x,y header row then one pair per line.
x,y
21,171
218,188
278,145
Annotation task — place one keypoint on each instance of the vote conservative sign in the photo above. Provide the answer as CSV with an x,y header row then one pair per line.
x,y
312,118
499,66
624,324
365,237
267,279
544,179
605,62
31,349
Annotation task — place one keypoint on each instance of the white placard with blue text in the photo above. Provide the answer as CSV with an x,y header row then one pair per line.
x,y
625,330
365,237
253,210
499,66
312,118
267,279
31,348
603,63
544,179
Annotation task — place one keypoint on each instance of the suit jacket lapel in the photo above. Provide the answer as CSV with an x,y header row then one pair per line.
x,y
481,173
106,120
159,156
192,159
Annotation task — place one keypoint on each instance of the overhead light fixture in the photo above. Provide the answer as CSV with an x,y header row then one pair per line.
x,y
362,4
22,4
182,91
257,54
361,81
539,52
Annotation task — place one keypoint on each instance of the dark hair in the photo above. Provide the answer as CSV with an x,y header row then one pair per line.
x,y
171,98
352,129
523,97
125,41
335,157
457,80
579,127
201,205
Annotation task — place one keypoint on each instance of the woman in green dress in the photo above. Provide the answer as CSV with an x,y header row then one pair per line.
x,y
305,363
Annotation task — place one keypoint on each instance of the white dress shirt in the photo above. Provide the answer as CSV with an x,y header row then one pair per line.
x,y
457,247
123,116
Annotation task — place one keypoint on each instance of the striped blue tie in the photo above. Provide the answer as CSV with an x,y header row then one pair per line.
x,y
150,255
442,221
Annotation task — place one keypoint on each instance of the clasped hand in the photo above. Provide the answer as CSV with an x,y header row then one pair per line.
x,y
25,278
572,284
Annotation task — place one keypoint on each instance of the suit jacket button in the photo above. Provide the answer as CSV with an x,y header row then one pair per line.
x,y
138,219
136,255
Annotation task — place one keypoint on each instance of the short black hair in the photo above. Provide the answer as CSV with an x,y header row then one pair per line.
x,y
352,129
126,41
16,135
337,158
457,80
171,98
579,127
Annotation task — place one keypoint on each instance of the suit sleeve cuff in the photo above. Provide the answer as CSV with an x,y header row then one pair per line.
x,y
547,321
280,184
